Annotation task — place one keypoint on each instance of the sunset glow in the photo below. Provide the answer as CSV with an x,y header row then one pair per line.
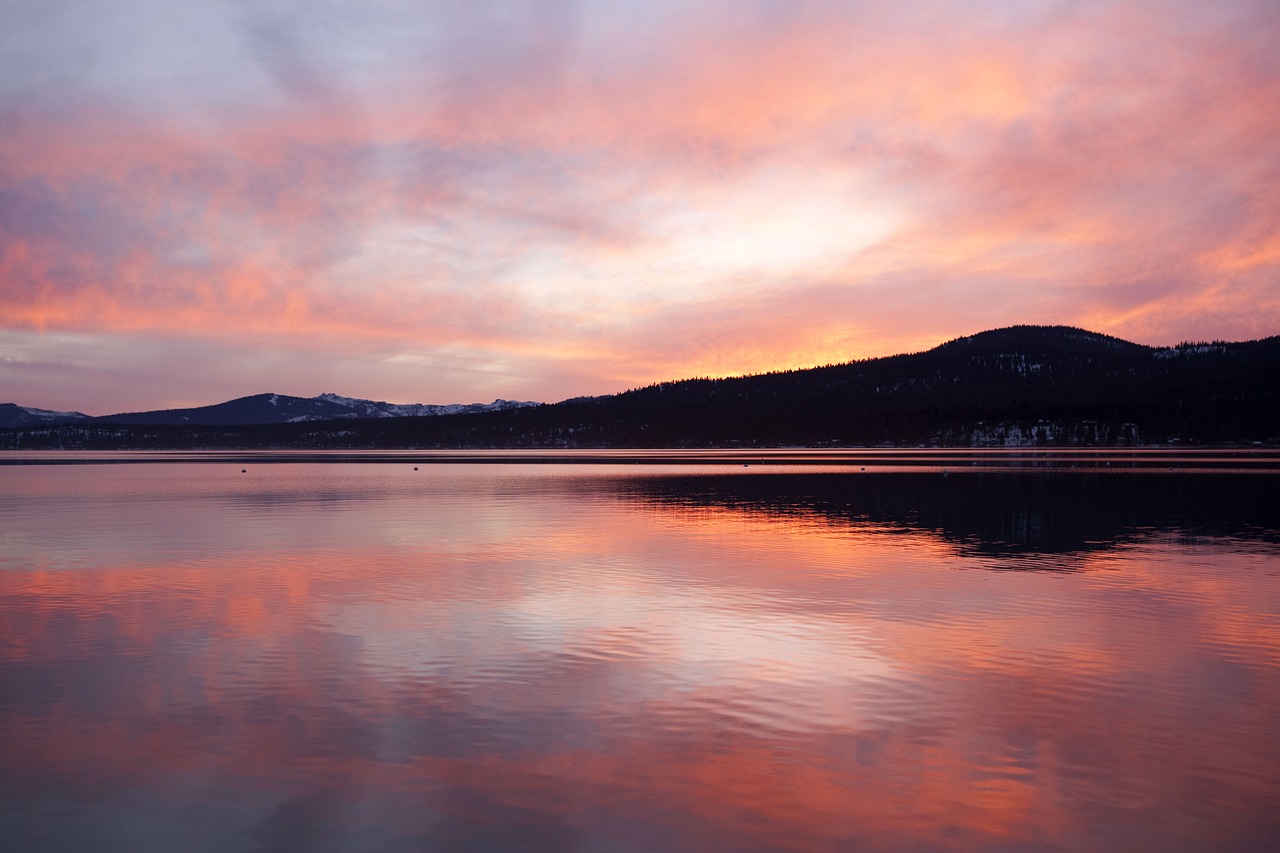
x,y
452,202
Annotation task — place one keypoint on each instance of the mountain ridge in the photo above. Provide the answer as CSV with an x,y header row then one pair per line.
x,y
266,408
1013,386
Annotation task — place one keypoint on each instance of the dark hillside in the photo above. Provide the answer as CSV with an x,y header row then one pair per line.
x,y
259,408
1025,385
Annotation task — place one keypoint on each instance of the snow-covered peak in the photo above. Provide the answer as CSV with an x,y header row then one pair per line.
x,y
50,415
349,402
379,409
13,415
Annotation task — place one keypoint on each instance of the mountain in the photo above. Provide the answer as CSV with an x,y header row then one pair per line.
x,y
281,409
257,409
12,415
1018,386
371,409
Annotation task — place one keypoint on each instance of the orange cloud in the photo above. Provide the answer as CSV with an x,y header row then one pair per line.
x,y
604,201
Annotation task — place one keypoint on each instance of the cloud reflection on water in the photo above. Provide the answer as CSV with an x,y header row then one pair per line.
x,y
514,660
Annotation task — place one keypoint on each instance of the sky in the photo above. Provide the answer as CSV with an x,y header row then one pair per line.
x,y
455,201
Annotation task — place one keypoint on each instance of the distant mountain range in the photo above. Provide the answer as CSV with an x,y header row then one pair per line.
x,y
1018,386
258,409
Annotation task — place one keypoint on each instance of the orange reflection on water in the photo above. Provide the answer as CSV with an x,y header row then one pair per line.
x,y
498,660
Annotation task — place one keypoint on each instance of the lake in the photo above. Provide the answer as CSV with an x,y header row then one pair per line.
x,y
651,651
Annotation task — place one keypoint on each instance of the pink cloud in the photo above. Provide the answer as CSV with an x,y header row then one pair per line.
x,y
534,186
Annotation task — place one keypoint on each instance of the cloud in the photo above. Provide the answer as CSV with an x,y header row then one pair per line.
x,y
585,189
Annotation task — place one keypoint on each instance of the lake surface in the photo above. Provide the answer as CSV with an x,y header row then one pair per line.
x,y
636,652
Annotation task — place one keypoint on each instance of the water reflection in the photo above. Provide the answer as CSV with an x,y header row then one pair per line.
x,y
999,513
358,657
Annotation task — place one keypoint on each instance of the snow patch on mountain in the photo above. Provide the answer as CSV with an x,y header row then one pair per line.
x,y
49,414
13,415
377,409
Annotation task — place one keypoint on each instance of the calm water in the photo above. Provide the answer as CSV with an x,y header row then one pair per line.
x,y
815,652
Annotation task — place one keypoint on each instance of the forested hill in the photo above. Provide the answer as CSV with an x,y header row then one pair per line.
x,y
1025,385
